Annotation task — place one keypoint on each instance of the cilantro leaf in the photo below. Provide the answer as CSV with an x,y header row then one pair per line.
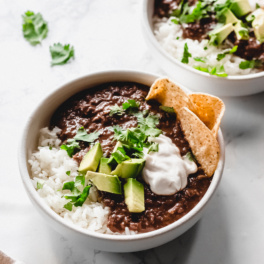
x,y
116,110
35,28
61,54
130,104
167,109
257,6
186,54
218,70
189,155
80,180
80,199
83,136
120,155
70,147
200,59
70,186
220,56
249,64
154,147
68,173
39,185
68,206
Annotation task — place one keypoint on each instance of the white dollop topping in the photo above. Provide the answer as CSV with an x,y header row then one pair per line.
x,y
166,171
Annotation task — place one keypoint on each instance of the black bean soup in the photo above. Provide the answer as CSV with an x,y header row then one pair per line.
x,y
90,109
247,49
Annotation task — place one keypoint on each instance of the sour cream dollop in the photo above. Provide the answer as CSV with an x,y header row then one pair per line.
x,y
166,171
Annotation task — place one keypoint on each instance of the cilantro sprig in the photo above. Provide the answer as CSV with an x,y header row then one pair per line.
x,y
220,56
77,197
217,70
186,54
250,64
130,105
81,135
61,54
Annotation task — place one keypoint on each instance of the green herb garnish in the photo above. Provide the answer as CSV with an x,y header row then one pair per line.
x,y
116,110
154,147
79,199
218,70
257,6
120,155
68,206
61,54
220,56
68,173
186,54
35,28
130,104
250,64
39,185
70,147
167,109
200,59
190,156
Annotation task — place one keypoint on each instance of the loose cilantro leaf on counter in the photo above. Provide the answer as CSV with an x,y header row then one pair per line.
x,y
130,104
249,64
68,206
83,136
220,56
186,54
61,54
35,28
39,185
167,109
154,147
116,110
70,147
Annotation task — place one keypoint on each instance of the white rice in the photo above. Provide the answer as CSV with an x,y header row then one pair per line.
x,y
48,166
167,32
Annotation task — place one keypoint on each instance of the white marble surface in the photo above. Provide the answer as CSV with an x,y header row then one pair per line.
x,y
107,35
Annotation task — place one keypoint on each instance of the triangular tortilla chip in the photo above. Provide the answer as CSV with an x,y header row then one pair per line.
x,y
210,110
169,94
201,140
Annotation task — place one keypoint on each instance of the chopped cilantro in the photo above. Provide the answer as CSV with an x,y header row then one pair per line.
x,y
257,6
68,173
79,199
80,180
50,147
116,110
35,28
130,104
167,109
200,59
83,136
120,155
39,185
154,147
175,20
218,70
205,48
186,54
190,156
70,186
61,54
249,64
68,206
178,38
70,147
220,56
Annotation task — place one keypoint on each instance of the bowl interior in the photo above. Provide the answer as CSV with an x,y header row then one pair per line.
x,y
40,118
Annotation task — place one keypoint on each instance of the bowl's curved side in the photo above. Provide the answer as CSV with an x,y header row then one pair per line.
x,y
186,75
40,118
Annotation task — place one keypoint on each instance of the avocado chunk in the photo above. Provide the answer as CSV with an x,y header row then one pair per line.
x,y
104,167
241,31
240,7
105,182
258,25
226,16
134,196
91,159
129,168
219,34
111,160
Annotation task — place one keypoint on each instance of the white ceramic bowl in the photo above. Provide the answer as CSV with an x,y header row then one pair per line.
x,y
194,79
122,243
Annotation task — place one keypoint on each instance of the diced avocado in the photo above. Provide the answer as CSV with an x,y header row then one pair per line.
x,y
111,159
240,7
258,25
219,34
91,159
105,182
134,196
241,30
104,167
227,16
129,168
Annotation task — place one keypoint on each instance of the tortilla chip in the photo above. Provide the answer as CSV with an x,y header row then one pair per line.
x,y
210,110
169,94
201,140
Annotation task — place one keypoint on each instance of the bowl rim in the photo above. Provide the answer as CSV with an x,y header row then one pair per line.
x,y
35,197
158,47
